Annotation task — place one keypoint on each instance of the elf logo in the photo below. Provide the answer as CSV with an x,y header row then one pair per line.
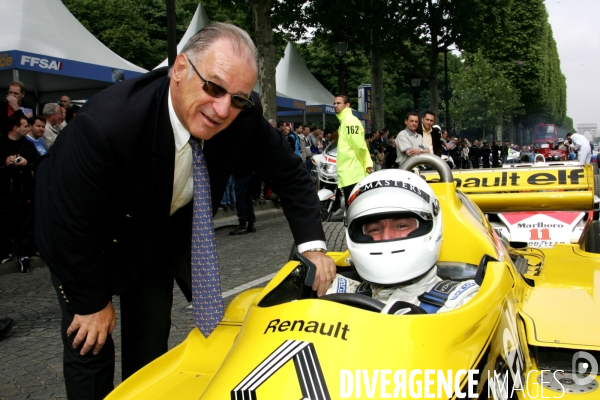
x,y
41,63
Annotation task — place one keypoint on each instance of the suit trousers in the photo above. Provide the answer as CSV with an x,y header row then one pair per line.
x,y
145,324
244,205
16,222
347,190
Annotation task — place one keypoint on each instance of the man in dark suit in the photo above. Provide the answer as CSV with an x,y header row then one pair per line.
x,y
113,209
485,154
475,154
496,147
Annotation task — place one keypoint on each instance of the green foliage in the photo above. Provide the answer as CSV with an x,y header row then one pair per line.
x,y
528,57
321,61
134,29
514,36
482,96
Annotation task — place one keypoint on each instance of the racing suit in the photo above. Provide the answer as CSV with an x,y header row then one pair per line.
x,y
430,289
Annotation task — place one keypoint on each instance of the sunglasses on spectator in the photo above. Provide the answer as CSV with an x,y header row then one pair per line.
x,y
216,91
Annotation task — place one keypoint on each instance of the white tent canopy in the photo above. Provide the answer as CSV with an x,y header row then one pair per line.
x,y
199,21
293,79
43,45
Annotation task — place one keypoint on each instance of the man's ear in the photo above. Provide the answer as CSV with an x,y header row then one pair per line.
x,y
180,68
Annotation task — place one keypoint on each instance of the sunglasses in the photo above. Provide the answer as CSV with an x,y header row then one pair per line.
x,y
216,91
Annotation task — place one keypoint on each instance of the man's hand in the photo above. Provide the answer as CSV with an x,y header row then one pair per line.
x,y
413,151
10,160
12,101
22,161
325,271
369,170
93,328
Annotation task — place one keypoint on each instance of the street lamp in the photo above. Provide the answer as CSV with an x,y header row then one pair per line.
x,y
415,83
340,50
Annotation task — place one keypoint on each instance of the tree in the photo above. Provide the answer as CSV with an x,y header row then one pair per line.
x,y
528,57
482,96
134,29
447,22
374,26
264,19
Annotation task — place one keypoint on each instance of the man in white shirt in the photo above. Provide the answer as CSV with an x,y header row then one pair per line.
x,y
582,146
53,114
426,127
408,142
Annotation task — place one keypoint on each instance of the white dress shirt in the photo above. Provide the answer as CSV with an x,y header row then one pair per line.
x,y
183,180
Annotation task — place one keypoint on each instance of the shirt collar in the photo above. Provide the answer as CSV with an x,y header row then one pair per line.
x,y
410,133
182,136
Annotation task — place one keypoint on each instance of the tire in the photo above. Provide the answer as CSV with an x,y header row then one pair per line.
x,y
597,185
595,166
591,240
325,212
335,236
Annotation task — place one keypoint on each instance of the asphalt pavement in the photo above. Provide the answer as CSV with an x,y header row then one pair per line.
x,y
31,354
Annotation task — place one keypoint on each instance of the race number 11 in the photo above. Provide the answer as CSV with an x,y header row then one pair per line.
x,y
535,234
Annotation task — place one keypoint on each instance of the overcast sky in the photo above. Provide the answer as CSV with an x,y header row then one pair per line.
x,y
576,29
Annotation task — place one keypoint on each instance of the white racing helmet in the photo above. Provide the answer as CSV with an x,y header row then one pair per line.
x,y
390,194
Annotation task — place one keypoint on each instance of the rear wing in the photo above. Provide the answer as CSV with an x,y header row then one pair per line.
x,y
526,188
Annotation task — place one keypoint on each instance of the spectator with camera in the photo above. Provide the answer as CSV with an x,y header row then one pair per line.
x,y
18,157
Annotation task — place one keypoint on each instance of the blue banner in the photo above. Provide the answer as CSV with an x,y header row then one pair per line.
x,y
60,66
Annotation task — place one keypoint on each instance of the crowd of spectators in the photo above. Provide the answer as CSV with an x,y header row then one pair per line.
x,y
25,138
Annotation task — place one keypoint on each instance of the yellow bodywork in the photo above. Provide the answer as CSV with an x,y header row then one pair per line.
x,y
560,188
562,309
491,333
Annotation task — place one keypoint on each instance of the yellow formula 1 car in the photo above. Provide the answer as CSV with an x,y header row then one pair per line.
x,y
531,331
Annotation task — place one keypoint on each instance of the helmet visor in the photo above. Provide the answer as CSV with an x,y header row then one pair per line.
x,y
385,227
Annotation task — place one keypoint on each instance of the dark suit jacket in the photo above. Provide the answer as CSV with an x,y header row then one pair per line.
x,y
104,192
436,140
16,181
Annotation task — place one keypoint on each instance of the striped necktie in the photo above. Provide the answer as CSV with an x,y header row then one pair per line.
x,y
207,303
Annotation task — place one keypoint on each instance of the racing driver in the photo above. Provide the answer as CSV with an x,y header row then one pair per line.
x,y
394,236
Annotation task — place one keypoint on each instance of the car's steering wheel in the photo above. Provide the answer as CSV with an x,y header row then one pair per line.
x,y
431,160
355,300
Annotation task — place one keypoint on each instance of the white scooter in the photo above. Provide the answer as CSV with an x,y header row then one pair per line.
x,y
329,194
